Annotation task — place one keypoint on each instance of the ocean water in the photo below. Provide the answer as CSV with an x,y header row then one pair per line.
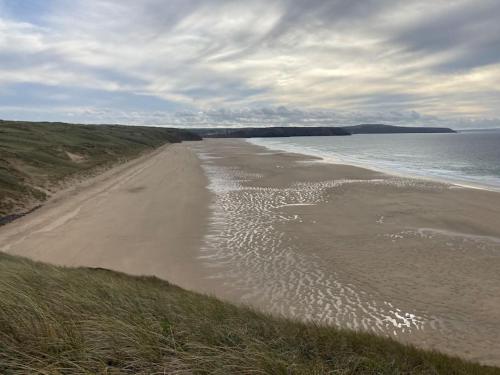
x,y
465,158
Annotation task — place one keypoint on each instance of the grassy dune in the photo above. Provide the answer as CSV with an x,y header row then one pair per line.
x,y
60,320
35,158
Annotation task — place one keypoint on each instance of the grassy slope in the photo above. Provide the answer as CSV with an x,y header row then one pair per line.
x,y
36,157
61,320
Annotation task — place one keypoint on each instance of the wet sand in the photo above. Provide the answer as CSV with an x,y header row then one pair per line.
x,y
145,217
412,259
334,244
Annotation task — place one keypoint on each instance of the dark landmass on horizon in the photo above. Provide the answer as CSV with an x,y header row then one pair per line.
x,y
307,131
390,129
272,131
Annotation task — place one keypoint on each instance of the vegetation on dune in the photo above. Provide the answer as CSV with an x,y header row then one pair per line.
x,y
57,320
36,157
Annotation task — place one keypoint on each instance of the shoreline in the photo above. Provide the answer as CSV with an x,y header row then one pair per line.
x,y
337,244
321,159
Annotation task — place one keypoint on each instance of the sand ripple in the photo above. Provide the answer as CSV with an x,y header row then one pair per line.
x,y
263,265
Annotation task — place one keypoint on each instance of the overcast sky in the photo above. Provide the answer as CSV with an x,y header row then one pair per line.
x,y
187,62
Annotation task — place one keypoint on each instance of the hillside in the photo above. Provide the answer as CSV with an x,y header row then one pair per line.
x,y
36,158
56,320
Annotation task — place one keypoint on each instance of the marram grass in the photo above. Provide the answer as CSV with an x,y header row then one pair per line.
x,y
56,320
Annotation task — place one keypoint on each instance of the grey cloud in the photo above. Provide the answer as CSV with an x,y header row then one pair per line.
x,y
469,31
326,13
355,60
284,116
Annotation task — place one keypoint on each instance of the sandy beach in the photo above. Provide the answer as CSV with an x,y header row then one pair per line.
x,y
413,259
145,217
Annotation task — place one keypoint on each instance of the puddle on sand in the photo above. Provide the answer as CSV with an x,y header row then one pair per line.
x,y
250,256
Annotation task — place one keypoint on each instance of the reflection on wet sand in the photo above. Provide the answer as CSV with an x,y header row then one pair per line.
x,y
354,248
267,268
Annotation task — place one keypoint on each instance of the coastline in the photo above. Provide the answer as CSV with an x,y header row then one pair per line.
x,y
463,183
328,243
337,244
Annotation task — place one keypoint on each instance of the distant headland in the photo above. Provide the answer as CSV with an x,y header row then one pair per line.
x,y
305,131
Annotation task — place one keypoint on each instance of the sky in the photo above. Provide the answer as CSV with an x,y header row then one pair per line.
x,y
241,63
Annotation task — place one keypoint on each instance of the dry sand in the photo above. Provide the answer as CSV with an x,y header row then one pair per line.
x,y
412,259
146,217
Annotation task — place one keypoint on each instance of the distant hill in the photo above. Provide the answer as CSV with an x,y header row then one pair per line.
x,y
389,129
283,131
305,131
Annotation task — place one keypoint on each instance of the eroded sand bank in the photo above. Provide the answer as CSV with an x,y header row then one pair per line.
x,y
413,259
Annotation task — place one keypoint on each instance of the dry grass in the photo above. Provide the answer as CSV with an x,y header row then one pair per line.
x,y
57,320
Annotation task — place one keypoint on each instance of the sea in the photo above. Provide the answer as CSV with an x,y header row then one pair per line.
x,y
466,158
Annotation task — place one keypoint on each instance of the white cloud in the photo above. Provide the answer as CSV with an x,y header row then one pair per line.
x,y
336,56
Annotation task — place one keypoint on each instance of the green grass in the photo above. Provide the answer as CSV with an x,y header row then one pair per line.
x,y
57,320
35,157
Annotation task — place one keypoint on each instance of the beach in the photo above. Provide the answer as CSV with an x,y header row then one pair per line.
x,y
144,217
413,259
